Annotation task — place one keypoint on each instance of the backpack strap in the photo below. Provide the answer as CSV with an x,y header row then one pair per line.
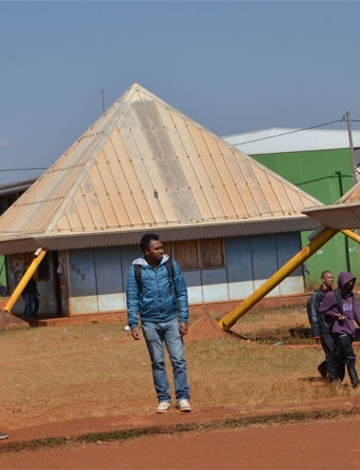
x,y
339,301
137,272
171,273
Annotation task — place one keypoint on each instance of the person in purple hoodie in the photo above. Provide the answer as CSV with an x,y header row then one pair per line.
x,y
341,310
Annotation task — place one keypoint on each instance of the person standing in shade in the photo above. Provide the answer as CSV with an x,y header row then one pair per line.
x,y
30,294
321,329
341,308
156,292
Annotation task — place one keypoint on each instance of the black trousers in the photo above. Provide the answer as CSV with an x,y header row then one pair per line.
x,y
335,364
348,356
36,304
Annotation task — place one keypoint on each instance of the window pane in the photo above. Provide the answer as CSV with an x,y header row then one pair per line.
x,y
212,253
186,254
168,249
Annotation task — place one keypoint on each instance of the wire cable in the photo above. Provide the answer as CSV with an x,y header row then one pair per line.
x,y
343,119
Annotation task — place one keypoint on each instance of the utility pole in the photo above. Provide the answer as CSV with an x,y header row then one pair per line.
x,y
102,101
351,145
348,119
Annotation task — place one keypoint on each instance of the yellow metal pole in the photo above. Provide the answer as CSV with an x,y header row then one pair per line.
x,y
318,241
352,235
24,280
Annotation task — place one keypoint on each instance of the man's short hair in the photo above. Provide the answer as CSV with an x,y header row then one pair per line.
x,y
146,239
325,272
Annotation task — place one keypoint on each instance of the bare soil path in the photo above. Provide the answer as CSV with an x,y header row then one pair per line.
x,y
330,445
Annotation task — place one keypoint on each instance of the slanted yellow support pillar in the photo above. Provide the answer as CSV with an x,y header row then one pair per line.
x,y
352,235
318,241
39,256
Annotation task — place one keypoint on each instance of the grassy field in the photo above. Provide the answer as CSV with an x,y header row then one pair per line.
x,y
56,374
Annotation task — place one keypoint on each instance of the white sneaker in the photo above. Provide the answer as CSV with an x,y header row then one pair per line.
x,y
163,407
3,436
184,405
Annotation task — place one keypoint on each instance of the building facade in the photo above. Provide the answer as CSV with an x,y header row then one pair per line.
x,y
145,167
319,162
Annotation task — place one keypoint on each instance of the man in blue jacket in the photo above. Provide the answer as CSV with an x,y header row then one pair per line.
x,y
156,292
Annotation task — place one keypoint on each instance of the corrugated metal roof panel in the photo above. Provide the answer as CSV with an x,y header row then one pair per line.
x,y
169,233
145,166
345,214
281,140
337,216
71,241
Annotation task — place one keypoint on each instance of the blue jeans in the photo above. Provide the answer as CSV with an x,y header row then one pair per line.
x,y
29,305
156,334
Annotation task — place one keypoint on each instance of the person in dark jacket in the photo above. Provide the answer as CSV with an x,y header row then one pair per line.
x,y
342,318
159,296
322,331
30,294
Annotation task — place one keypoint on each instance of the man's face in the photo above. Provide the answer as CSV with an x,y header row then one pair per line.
x,y
348,287
328,279
155,252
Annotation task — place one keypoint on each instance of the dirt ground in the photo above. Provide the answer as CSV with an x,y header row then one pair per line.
x,y
309,445
330,444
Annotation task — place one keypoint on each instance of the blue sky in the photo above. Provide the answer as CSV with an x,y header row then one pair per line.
x,y
231,66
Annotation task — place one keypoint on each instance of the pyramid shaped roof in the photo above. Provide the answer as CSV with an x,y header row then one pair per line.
x,y
144,166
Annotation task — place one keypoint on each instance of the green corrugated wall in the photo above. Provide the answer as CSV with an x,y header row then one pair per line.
x,y
326,175
3,281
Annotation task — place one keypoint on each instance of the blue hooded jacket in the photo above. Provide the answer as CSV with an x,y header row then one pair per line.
x,y
156,301
350,307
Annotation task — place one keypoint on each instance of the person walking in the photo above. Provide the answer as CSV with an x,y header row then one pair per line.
x,y
156,293
322,331
341,308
